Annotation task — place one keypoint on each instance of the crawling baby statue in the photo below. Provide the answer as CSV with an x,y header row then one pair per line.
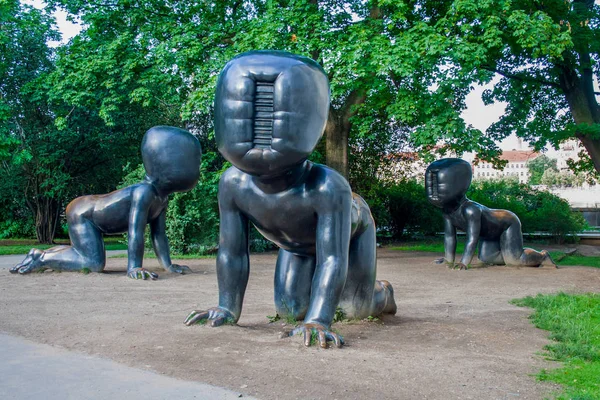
x,y
270,111
498,232
171,158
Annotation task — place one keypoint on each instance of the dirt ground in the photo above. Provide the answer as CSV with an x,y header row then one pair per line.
x,y
455,335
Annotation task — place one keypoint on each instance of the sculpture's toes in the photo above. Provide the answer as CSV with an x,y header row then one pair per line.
x,y
390,302
547,261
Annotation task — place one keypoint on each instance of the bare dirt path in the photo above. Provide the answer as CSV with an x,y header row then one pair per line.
x,y
455,335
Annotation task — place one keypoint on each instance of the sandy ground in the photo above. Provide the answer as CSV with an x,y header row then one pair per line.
x,y
455,335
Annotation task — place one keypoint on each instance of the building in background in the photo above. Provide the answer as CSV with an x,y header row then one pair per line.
x,y
516,166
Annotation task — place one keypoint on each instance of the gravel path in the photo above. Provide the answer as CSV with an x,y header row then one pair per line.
x,y
455,335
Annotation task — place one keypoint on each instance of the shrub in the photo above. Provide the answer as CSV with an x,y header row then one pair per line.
x,y
402,207
539,211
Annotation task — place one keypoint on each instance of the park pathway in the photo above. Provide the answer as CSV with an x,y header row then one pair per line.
x,y
30,370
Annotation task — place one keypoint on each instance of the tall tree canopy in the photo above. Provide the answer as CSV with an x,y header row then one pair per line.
x,y
51,148
393,65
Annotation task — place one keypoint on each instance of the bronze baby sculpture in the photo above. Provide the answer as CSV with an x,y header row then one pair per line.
x,y
270,111
498,232
171,157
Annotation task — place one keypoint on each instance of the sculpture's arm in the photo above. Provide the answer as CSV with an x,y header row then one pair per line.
x,y
473,217
333,239
232,258
449,241
160,243
141,199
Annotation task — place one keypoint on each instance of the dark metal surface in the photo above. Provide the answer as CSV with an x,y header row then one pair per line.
x,y
171,159
270,112
496,232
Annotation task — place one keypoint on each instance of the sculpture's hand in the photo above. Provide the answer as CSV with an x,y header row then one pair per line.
x,y
323,335
460,266
179,269
141,273
216,315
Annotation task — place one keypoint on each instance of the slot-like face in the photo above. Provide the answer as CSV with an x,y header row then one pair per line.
x,y
270,111
447,181
171,158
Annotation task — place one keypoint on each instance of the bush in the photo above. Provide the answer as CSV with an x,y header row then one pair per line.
x,y
402,207
539,211
192,217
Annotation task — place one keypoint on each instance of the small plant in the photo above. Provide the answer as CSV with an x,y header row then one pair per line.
x,y
273,318
314,337
85,271
371,318
291,320
339,315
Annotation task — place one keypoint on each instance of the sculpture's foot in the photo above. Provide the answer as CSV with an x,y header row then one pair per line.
x,y
547,261
31,263
390,303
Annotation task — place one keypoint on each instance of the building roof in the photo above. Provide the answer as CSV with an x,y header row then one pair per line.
x,y
519,155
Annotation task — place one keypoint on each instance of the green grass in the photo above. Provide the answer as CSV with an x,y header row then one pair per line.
x,y
562,259
574,323
22,246
559,257
173,256
429,246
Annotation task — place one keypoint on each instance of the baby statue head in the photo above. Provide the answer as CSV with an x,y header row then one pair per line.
x,y
270,111
447,181
171,158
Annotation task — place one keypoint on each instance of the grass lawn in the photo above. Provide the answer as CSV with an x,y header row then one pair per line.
x,y
173,256
22,246
429,246
563,259
574,323
559,257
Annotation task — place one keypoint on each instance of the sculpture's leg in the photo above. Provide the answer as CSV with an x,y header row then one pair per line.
x,y
86,251
511,243
363,295
293,279
489,252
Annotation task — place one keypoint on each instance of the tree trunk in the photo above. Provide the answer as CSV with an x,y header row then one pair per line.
x,y
338,130
336,141
585,112
47,215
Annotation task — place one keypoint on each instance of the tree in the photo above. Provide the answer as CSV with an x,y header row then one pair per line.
x,y
554,178
538,166
24,59
546,54
48,159
175,51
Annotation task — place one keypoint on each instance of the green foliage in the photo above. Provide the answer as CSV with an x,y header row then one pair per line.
x,y
58,148
539,211
538,166
574,323
192,217
553,178
401,207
